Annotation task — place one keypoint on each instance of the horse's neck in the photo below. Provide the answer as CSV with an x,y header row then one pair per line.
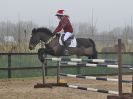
x,y
48,38
45,37
54,42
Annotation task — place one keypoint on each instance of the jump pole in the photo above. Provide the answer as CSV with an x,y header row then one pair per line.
x,y
93,78
82,60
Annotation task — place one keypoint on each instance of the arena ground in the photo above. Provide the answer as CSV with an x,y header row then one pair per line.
x,y
23,88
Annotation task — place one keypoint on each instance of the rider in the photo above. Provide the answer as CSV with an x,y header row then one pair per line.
x,y
65,24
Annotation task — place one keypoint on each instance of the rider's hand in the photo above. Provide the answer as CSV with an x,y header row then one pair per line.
x,y
53,34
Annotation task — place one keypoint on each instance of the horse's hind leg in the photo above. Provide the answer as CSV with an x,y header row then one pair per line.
x,y
88,51
91,53
94,56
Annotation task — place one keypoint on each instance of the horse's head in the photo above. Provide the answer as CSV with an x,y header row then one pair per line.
x,y
39,34
34,39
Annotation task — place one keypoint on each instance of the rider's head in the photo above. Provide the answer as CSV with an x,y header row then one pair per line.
x,y
60,14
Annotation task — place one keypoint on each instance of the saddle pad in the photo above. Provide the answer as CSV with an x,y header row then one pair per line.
x,y
73,42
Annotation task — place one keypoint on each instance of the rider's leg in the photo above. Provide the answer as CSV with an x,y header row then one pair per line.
x,y
65,37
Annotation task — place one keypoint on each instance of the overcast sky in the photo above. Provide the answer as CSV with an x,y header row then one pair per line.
x,y
107,14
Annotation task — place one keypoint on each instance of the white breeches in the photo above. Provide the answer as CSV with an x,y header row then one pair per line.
x,y
67,35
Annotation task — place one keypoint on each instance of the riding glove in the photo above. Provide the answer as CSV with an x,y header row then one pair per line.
x,y
53,34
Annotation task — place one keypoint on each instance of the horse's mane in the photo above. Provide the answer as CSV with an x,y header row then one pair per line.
x,y
42,29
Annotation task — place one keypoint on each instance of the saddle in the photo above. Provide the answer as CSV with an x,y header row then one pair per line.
x,y
70,42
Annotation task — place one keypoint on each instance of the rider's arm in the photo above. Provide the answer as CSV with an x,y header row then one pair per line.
x,y
58,28
62,24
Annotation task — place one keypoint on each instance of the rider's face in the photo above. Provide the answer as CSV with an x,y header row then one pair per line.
x,y
60,17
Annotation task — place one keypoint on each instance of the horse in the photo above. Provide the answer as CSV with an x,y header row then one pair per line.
x,y
85,46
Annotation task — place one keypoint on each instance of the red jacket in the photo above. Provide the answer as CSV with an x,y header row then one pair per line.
x,y
64,24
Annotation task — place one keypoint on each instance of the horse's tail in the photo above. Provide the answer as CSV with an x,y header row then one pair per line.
x,y
94,56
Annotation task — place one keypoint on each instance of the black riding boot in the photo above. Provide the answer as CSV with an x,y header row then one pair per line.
x,y
66,52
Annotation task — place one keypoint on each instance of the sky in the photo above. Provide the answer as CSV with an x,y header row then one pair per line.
x,y
107,14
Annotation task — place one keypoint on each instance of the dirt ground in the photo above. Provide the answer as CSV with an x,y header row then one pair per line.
x,y
23,88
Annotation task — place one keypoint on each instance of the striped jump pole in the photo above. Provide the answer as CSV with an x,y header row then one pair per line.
x,y
92,89
94,78
83,60
94,65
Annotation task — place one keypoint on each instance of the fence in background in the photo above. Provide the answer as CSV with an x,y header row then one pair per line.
x,y
10,62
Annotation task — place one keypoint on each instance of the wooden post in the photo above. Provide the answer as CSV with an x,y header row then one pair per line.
x,y
9,65
78,68
46,67
120,66
132,82
58,72
43,72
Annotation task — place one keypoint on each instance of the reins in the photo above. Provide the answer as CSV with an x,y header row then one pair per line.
x,y
50,39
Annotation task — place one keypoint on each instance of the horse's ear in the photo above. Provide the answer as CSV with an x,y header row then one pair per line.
x,y
34,30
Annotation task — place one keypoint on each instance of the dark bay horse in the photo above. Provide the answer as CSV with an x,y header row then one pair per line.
x,y
85,46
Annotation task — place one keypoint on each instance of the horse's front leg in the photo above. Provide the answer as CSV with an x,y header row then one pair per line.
x,y
42,53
